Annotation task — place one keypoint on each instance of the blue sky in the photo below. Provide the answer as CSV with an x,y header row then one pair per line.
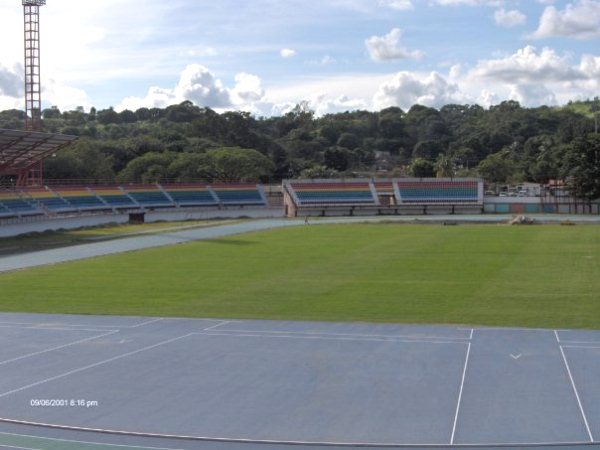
x,y
265,56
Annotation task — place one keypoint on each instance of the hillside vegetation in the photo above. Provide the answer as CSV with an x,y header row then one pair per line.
x,y
505,143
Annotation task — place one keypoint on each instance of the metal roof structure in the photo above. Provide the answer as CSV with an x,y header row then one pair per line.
x,y
20,150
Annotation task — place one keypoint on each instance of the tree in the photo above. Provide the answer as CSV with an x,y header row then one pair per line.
x,y
444,166
239,164
497,168
149,168
421,168
582,167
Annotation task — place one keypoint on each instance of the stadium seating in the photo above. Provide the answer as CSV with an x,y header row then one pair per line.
x,y
11,204
47,199
114,197
80,197
190,194
438,192
148,195
239,194
332,193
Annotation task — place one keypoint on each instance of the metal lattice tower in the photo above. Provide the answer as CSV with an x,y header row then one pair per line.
x,y
33,85
33,89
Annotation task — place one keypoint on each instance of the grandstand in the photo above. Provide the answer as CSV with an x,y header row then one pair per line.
x,y
368,197
50,201
439,191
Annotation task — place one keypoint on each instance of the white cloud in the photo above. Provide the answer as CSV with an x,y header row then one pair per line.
x,y
533,94
509,19
406,89
400,5
579,21
468,2
11,81
536,77
527,65
247,89
287,52
199,85
386,48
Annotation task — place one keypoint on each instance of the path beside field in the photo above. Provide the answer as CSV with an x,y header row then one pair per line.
x,y
92,250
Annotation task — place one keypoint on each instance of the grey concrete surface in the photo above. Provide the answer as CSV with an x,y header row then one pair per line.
x,y
295,383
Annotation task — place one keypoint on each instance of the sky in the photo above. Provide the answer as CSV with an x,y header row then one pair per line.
x,y
266,56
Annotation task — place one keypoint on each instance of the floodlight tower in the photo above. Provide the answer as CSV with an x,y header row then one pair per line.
x,y
33,89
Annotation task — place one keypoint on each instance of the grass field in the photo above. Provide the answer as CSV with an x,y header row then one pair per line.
x,y
538,276
64,238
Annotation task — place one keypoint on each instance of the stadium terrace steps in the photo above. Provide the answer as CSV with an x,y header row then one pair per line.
x,y
439,192
148,195
191,194
332,193
74,199
12,204
240,194
47,200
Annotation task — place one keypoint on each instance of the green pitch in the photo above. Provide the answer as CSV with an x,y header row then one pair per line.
x,y
538,276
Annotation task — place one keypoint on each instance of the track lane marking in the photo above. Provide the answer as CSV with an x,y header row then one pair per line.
x,y
91,366
460,392
41,352
327,338
585,421
357,335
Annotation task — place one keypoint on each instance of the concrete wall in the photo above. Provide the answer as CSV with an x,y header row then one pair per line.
x,y
69,223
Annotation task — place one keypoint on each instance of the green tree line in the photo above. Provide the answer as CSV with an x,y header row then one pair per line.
x,y
506,143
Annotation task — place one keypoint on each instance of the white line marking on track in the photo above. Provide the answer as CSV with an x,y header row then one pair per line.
x,y
72,441
585,421
18,448
582,346
249,441
148,322
81,341
579,342
44,328
212,327
557,336
91,366
355,335
471,334
460,392
326,338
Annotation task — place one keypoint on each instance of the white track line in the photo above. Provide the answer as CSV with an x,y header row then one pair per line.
x,y
357,335
254,441
43,328
212,327
19,448
146,323
325,338
593,347
585,421
73,441
81,341
460,392
91,366
557,336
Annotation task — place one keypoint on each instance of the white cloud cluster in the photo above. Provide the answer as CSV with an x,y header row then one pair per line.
x,y
386,48
400,5
199,85
528,65
509,19
11,81
406,89
287,52
579,21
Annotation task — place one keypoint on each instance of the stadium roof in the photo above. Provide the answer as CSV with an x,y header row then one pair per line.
x,y
20,150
